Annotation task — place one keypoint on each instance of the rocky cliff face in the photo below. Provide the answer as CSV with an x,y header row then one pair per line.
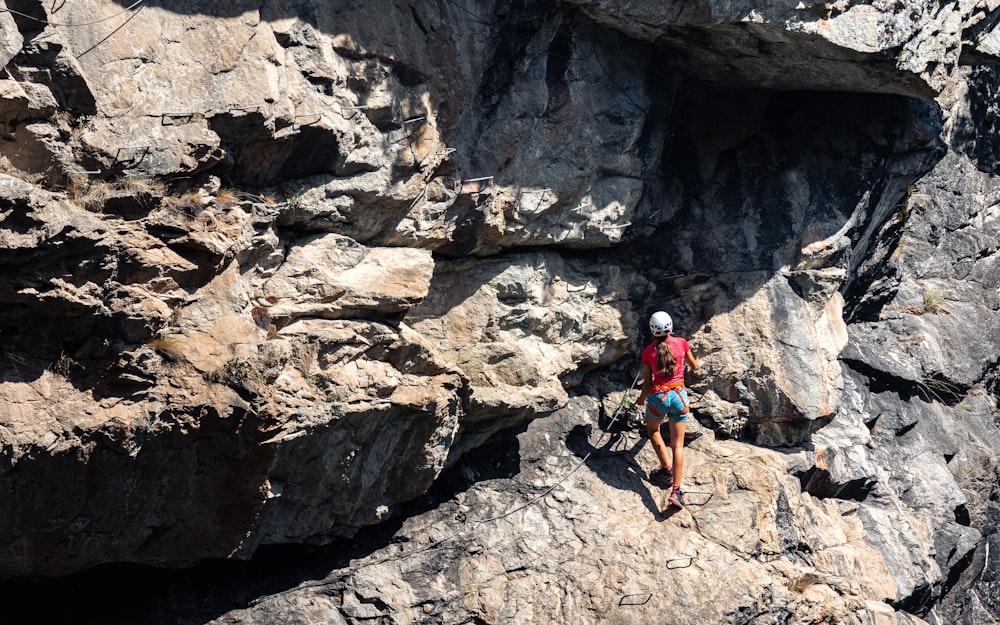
x,y
275,273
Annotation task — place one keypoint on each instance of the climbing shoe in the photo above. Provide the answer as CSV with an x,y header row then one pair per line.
x,y
662,477
676,497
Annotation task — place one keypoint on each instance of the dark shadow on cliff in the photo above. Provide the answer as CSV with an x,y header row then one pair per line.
x,y
748,186
127,594
760,191
613,460
330,17
982,148
17,367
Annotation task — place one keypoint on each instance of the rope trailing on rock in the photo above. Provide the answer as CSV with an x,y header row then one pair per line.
x,y
544,493
625,600
470,523
73,24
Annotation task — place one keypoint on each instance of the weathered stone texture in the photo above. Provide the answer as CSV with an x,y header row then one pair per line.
x,y
268,271
751,545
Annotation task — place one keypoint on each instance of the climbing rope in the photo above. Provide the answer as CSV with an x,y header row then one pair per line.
x,y
625,403
625,600
470,523
73,24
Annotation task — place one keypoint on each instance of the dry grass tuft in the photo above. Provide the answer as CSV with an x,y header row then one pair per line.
x,y
170,348
64,365
227,197
934,303
94,194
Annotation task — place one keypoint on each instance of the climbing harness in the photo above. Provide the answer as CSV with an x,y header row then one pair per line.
x,y
467,524
663,390
632,599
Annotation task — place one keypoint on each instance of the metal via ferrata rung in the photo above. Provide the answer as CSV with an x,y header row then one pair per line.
x,y
541,191
688,559
353,110
318,116
699,492
671,276
488,180
631,599
181,117
143,151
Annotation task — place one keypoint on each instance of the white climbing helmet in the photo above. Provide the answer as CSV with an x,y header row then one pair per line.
x,y
660,324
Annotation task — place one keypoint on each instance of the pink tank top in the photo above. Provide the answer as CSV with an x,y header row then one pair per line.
x,y
679,347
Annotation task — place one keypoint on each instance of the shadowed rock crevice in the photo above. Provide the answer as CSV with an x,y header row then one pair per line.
x,y
929,390
980,32
189,479
763,55
118,594
514,32
976,134
799,224
379,233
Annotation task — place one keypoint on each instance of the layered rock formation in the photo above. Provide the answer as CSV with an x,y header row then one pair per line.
x,y
268,271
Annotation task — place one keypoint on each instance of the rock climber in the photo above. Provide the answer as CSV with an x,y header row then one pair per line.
x,y
663,395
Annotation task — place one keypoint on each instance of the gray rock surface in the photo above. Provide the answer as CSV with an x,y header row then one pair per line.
x,y
275,274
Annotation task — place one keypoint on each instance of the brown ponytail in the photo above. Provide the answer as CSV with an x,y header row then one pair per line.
x,y
666,360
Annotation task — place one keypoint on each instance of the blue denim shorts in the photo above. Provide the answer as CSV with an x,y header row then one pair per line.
x,y
669,404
